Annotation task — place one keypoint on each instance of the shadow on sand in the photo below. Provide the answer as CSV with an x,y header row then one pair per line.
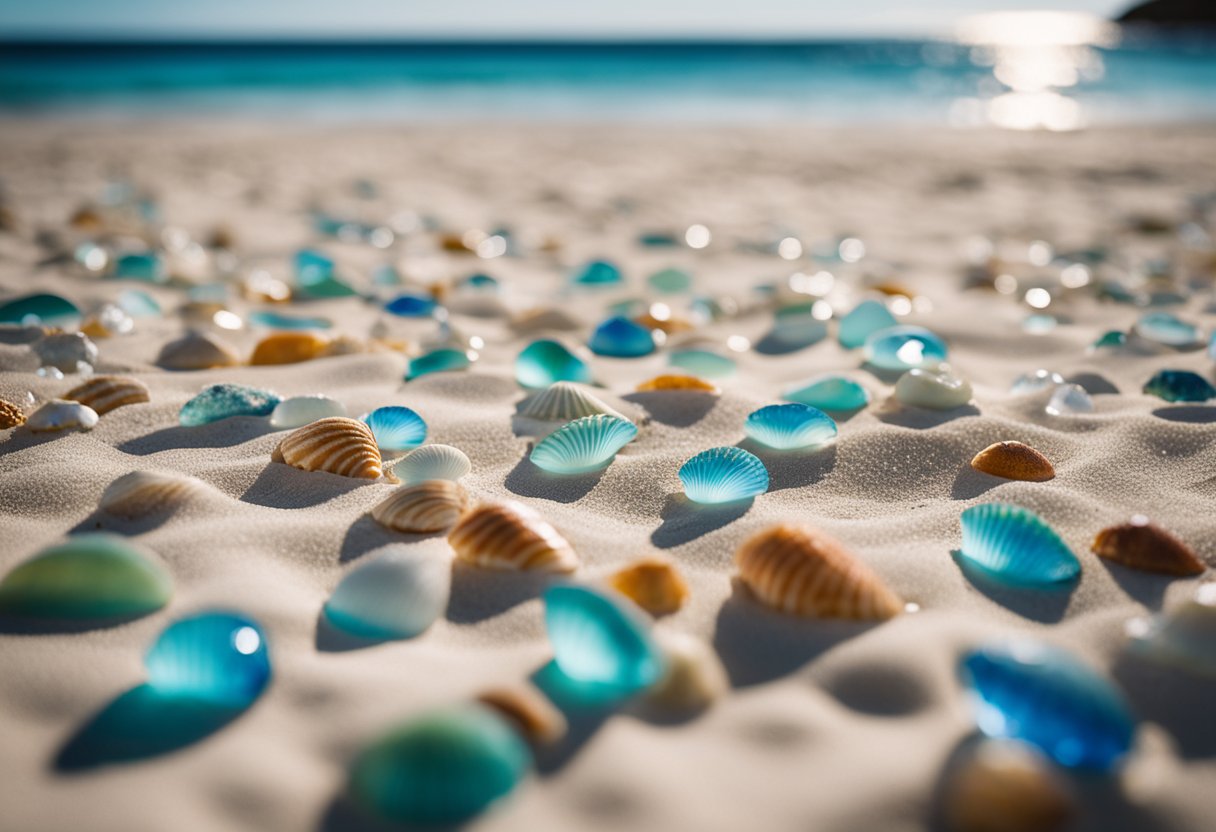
x,y
677,408
527,480
684,520
225,433
1043,603
794,468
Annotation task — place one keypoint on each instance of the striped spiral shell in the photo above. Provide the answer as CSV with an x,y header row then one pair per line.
x,y
143,493
511,536
336,445
429,506
106,393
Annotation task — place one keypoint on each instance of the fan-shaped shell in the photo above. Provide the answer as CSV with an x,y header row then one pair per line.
x,y
682,383
432,462
511,536
1014,461
800,570
1007,786
288,348
723,475
336,445
653,583
396,428
58,414
106,393
1141,544
196,351
563,401
790,426
584,445
11,415
1016,545
142,493
430,506
528,710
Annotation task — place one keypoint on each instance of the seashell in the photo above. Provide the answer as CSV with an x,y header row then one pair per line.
x,y
216,657
1069,400
904,347
933,389
1016,545
288,348
597,273
40,309
301,410
1007,786
396,428
1013,461
723,475
546,362
443,360
1183,636
91,577
395,592
442,768
221,401
58,414
694,678
542,319
584,445
600,641
336,445
563,401
653,584
526,708
1042,695
432,462
106,393
619,337
143,493
833,393
68,352
195,351
678,383
801,570
669,325
430,506
11,415
865,319
702,363
1140,544
1179,386
511,536
790,426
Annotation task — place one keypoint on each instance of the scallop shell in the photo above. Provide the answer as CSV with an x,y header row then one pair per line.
x,y
142,493
394,592
432,462
1007,786
11,415
1013,460
58,414
681,383
790,426
800,570
1143,545
540,722
511,536
106,393
600,641
1183,636
723,475
653,584
396,428
563,401
1016,545
195,351
288,348
694,677
430,506
584,445
336,445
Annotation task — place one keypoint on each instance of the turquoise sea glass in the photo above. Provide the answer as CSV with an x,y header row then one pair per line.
x,y
1015,545
443,360
904,347
1041,695
1112,339
479,283
583,445
412,305
620,337
396,428
598,640
833,393
723,475
597,273
866,318
432,462
790,426
394,592
796,327
1167,329
278,320
1179,386
704,363
670,281
216,657
144,265
220,401
138,304
33,310
316,276
546,362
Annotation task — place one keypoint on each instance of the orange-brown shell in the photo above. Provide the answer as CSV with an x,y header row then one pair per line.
x,y
511,536
429,506
800,570
288,348
1014,461
1143,545
653,584
336,445
527,708
11,415
106,393
677,382
1006,786
668,325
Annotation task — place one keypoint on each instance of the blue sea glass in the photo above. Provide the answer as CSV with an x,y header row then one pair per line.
x,y
597,273
443,360
1167,329
479,283
658,239
138,304
442,768
1179,386
1110,340
144,265
904,347
723,475
704,363
620,337
545,362
412,305
789,426
1015,545
316,276
220,401
33,310
216,657
396,428
278,320
866,318
584,445
1041,695
598,640
670,281
833,393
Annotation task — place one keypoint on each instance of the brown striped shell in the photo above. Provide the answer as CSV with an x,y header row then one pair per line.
x,y
688,384
653,584
143,493
540,722
288,348
106,393
1006,786
196,351
1014,461
511,536
428,506
1141,544
801,570
336,445
11,415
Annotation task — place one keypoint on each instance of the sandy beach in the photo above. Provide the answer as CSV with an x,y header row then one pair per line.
x,y
830,726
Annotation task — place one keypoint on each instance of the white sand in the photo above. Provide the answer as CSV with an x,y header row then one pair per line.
x,y
829,726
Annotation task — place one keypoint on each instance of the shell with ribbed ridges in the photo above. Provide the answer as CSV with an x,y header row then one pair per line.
x,y
511,536
336,445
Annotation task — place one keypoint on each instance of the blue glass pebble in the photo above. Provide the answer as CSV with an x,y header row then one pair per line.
x,y
146,266
1041,695
620,337
723,475
412,305
832,393
444,360
704,363
866,318
33,310
220,401
217,657
479,283
583,445
904,347
790,426
597,273
598,640
1180,386
546,362
1167,329
396,428
1015,545
278,320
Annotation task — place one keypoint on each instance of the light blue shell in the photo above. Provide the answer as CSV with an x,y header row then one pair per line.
x,y
723,475
598,640
789,426
432,462
221,401
217,657
904,347
584,445
866,318
545,362
1044,696
1015,545
619,337
835,393
396,428
704,363
443,360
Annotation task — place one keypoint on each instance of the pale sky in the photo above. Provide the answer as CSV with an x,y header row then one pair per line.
x,y
504,18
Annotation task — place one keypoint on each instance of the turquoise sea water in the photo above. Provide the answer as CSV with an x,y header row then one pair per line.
x,y
868,81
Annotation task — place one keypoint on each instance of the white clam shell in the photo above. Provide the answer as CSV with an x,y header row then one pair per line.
x,y
564,401
303,410
397,591
432,462
938,388
141,493
58,414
